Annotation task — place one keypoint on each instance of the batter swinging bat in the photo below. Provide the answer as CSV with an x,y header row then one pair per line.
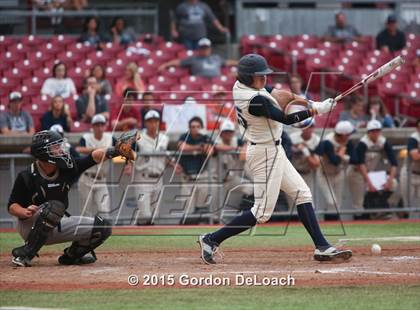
x,y
385,69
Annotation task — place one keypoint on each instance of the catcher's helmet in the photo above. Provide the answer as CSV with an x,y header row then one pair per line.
x,y
251,65
50,146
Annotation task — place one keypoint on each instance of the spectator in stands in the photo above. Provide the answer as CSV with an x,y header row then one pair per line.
x,y
98,71
372,153
233,164
296,84
79,5
204,63
54,7
356,114
376,109
91,33
199,147
390,39
304,158
59,84
120,33
341,32
410,172
91,102
59,113
15,121
190,23
127,116
72,150
148,102
336,152
130,80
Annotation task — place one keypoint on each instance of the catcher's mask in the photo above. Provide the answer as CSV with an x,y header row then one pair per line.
x,y
50,147
252,65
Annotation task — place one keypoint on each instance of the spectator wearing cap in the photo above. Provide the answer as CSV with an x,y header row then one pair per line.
x,y
148,170
15,121
390,39
148,103
98,71
131,79
204,63
336,152
91,102
59,84
232,151
410,172
356,113
341,31
373,153
195,149
92,183
190,22
304,158
59,113
126,116
71,149
121,34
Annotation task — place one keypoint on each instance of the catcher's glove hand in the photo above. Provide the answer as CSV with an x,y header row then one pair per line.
x,y
123,145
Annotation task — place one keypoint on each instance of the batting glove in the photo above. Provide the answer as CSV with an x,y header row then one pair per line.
x,y
324,106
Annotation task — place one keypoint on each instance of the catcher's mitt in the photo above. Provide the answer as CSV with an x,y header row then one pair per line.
x,y
123,145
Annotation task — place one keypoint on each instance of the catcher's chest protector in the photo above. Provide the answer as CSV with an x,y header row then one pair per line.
x,y
44,189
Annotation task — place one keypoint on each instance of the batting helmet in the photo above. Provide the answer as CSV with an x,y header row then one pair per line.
x,y
251,65
50,146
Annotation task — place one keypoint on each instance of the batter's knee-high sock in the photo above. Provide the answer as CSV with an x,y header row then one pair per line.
x,y
308,218
239,224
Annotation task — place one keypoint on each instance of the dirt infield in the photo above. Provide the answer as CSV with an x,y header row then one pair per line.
x,y
396,265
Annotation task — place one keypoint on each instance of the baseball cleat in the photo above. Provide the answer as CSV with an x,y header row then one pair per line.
x,y
21,261
208,249
331,254
67,260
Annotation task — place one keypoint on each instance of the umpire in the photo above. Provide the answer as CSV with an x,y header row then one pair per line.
x,y
39,200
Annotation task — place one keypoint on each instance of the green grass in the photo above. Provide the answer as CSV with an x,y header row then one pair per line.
x,y
382,297
366,297
185,238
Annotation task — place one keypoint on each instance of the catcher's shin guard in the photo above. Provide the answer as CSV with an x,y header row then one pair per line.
x,y
75,254
49,217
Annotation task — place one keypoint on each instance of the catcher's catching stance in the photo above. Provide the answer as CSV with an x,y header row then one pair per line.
x,y
39,200
260,116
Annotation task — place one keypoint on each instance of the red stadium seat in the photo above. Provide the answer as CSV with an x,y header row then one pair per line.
x,y
17,73
11,58
162,82
43,73
250,43
175,72
63,40
99,57
80,127
50,49
32,41
38,57
69,58
194,80
27,65
172,47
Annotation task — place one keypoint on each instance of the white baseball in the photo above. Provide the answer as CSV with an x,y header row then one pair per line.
x,y
375,249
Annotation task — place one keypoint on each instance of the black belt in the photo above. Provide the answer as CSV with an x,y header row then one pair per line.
x,y
150,175
416,172
277,142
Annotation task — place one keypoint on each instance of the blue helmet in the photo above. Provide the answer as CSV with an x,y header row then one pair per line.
x,y
251,65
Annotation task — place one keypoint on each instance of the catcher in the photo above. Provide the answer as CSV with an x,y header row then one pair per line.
x,y
39,200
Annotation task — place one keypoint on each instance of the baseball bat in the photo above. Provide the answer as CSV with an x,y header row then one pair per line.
x,y
385,69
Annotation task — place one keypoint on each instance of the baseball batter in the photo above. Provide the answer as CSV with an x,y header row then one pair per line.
x,y
39,200
260,116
